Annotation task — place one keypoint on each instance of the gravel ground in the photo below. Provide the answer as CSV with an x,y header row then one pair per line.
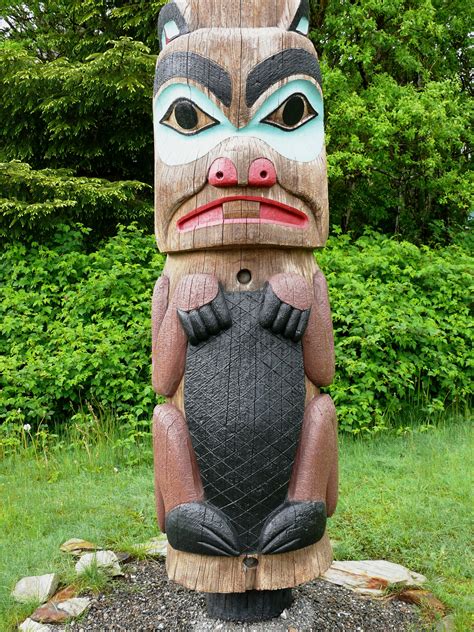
x,y
145,600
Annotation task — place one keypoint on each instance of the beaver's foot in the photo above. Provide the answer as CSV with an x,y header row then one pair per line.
x,y
282,318
206,321
200,527
292,526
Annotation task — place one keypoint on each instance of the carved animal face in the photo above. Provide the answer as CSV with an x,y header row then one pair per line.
x,y
239,127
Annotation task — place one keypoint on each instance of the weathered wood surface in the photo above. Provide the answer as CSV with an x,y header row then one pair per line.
x,y
230,574
302,185
241,201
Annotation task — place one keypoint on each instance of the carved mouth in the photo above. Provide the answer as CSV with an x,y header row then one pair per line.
x,y
242,209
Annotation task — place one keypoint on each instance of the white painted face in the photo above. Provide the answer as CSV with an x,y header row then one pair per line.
x,y
285,121
239,138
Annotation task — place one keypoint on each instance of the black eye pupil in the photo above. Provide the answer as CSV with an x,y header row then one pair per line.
x,y
186,115
293,111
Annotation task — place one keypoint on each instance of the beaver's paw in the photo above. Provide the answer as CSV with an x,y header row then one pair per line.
x,y
282,318
293,526
206,321
200,527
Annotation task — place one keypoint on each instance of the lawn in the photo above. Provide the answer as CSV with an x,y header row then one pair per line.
x,y
405,498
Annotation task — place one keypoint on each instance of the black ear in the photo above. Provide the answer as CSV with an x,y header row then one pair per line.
x,y
171,24
300,22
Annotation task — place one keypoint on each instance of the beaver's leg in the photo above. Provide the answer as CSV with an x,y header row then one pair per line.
x,y
312,493
315,472
192,524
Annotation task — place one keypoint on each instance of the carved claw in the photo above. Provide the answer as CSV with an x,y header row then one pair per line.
x,y
206,321
282,318
292,526
200,527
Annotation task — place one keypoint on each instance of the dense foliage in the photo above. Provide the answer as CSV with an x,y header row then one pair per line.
x,y
403,328
398,90
39,199
77,80
76,145
74,327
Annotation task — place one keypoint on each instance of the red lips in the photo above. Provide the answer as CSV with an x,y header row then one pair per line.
x,y
269,212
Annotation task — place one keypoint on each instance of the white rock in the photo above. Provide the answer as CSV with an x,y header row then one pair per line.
x,y
31,626
38,588
156,547
106,560
371,577
74,607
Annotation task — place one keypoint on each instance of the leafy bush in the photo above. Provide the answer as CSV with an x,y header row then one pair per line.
x,y
402,326
74,328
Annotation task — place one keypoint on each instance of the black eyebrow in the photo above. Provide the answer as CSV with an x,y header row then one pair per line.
x,y
292,61
198,68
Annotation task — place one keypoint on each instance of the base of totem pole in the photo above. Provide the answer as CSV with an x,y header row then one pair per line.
x,y
251,606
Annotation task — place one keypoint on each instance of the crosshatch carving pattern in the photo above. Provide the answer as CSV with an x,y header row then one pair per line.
x,y
244,405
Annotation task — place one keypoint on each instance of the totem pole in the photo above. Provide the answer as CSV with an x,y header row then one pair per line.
x,y
246,446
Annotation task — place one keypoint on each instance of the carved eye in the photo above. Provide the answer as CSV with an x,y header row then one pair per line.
x,y
293,113
187,118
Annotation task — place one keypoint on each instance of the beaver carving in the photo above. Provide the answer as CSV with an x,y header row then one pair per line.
x,y
246,446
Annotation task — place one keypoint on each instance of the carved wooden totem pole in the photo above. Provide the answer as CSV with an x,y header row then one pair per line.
x,y
246,446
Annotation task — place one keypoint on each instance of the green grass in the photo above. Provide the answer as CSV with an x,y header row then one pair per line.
x,y
403,498
408,499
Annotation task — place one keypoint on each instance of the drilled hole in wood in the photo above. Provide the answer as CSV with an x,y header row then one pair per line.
x,y
219,175
244,277
264,175
250,562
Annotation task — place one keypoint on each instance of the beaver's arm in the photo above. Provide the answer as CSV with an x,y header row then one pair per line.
x,y
318,340
161,367
169,337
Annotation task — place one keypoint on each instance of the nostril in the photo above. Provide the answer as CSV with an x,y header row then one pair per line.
x,y
222,173
262,173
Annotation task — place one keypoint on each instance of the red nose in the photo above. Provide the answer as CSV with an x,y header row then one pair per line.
x,y
223,173
262,173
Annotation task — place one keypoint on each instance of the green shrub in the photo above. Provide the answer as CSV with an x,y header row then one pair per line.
x,y
74,328
402,327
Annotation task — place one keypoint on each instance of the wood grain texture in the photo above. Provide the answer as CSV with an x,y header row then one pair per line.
x,y
318,341
159,306
292,288
314,475
168,335
203,14
263,263
239,206
302,185
177,477
228,575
